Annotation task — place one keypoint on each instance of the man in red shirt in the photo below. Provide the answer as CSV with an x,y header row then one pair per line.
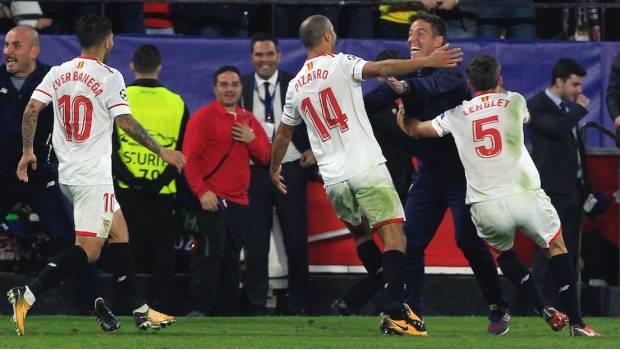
x,y
220,140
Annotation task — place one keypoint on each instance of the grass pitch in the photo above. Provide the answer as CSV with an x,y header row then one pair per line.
x,y
298,332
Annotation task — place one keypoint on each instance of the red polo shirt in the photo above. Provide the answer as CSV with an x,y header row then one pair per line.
x,y
208,138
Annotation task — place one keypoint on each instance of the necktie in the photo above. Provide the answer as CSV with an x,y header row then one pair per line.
x,y
563,107
268,104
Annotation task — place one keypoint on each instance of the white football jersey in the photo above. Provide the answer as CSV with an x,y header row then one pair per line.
x,y
327,94
488,132
87,95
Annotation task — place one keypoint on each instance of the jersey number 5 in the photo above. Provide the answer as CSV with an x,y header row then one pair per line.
x,y
484,130
330,109
77,125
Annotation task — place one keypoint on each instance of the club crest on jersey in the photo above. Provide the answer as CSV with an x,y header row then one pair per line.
x,y
80,65
310,65
485,98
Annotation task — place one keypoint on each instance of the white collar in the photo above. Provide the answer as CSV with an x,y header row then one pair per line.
x,y
272,80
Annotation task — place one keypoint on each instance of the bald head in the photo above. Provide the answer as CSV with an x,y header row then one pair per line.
x,y
21,49
312,29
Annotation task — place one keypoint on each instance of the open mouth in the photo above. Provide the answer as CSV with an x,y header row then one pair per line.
x,y
414,49
8,60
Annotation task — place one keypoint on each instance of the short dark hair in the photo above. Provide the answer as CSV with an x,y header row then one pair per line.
x,y
91,30
437,25
264,37
483,72
389,54
225,69
312,28
146,58
564,68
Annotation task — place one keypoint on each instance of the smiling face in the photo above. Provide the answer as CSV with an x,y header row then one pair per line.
x,y
265,58
421,40
228,89
20,51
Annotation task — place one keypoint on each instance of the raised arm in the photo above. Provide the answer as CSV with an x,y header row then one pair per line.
x,y
415,127
29,128
137,132
442,57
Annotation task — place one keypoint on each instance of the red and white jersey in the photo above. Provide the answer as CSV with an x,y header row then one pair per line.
x,y
327,94
87,95
488,132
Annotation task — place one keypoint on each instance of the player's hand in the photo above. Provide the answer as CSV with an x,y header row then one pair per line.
x,y
447,5
174,158
28,159
617,121
208,201
444,57
400,117
429,4
583,100
277,179
398,86
307,159
243,133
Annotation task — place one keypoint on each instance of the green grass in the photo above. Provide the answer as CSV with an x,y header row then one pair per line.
x,y
298,332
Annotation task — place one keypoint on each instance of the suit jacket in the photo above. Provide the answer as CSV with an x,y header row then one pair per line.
x,y
555,148
300,137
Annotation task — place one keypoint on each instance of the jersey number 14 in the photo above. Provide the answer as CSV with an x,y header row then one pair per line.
x,y
331,112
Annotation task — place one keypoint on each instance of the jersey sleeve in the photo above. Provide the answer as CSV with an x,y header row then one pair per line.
x,y
524,111
43,92
115,95
353,67
441,124
290,114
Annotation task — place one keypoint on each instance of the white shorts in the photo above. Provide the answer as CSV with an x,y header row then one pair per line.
x,y
529,211
93,207
371,194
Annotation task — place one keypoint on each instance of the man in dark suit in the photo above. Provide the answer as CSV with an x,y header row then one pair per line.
x,y
263,94
558,154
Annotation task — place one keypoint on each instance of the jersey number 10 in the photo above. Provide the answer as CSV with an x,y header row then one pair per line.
x,y
76,128
331,112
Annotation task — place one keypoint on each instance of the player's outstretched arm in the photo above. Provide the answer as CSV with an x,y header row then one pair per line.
x,y
278,149
442,57
137,132
29,128
415,127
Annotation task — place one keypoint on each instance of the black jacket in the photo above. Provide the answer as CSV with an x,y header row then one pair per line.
x,y
300,137
431,92
12,105
613,89
555,148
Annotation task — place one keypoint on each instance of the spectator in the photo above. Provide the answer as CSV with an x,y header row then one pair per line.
x,y
394,19
147,189
263,94
558,154
157,18
440,181
517,18
613,92
220,140
461,17
28,13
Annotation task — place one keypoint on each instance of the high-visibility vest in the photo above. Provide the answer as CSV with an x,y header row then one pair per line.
x,y
397,13
160,112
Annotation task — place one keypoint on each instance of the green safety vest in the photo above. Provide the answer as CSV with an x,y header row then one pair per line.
x,y
160,112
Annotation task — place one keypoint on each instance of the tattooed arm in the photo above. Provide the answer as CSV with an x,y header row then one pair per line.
x,y
29,128
138,133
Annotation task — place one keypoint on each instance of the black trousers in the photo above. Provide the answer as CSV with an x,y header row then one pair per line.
x,y
292,215
569,208
42,193
214,282
152,229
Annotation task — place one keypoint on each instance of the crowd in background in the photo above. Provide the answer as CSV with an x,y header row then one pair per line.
x,y
518,19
